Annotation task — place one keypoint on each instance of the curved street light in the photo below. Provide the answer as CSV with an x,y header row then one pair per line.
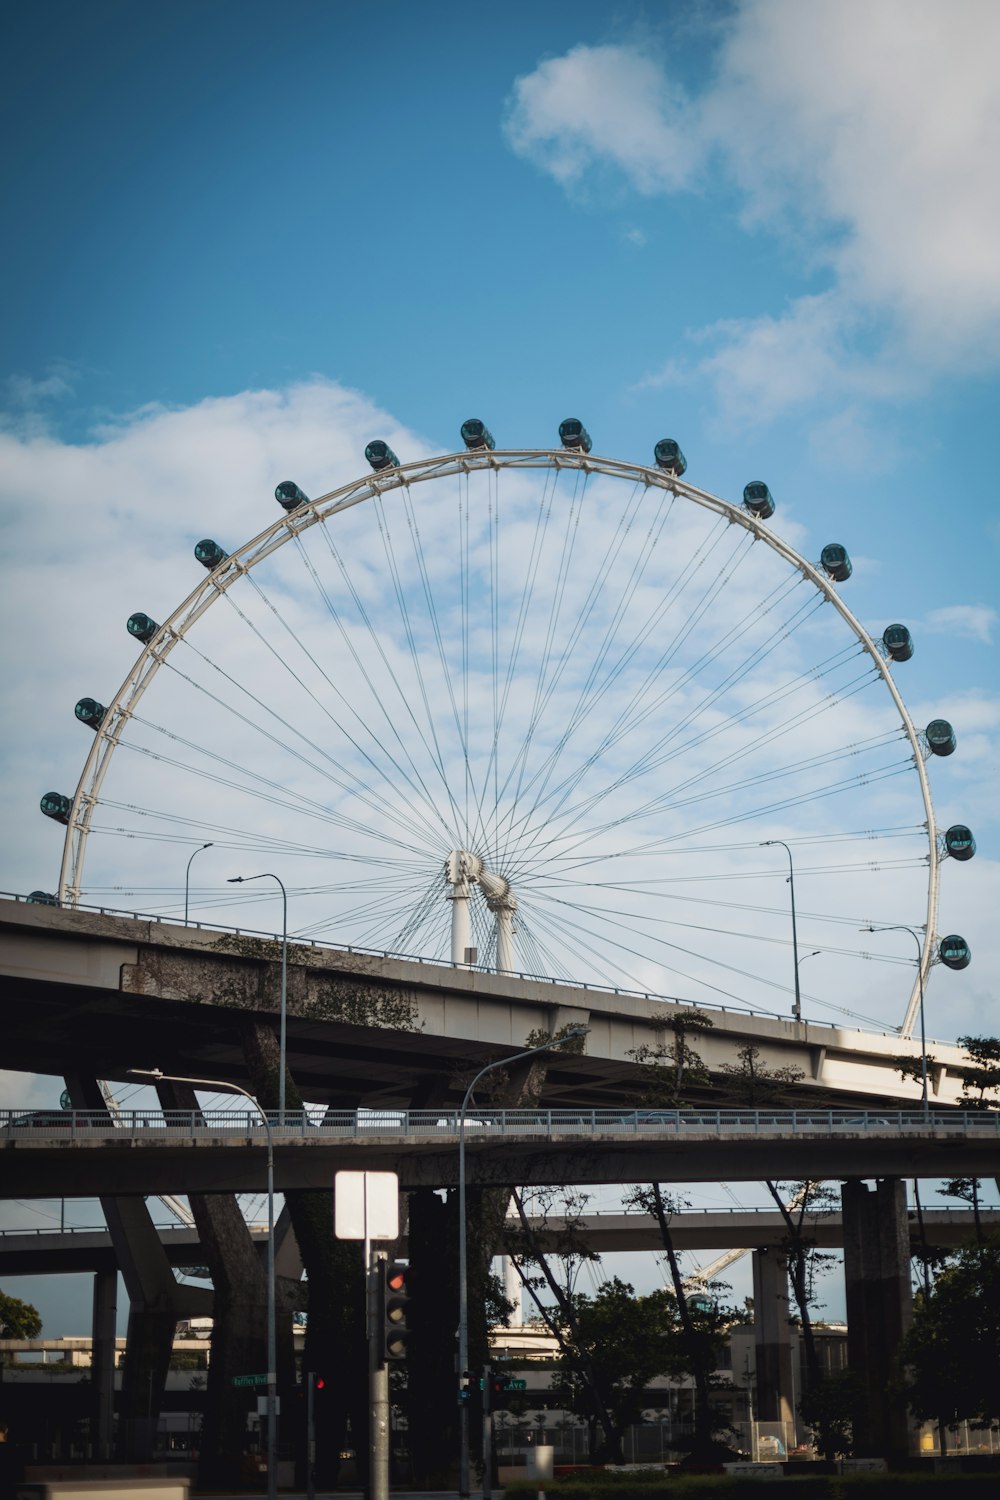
x,y
272,1335
901,927
267,875
463,1302
187,878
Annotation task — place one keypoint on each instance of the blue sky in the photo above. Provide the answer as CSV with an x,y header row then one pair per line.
x,y
242,242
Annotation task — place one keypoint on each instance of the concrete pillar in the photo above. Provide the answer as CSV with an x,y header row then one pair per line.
x,y
156,1303
102,1365
879,1308
772,1337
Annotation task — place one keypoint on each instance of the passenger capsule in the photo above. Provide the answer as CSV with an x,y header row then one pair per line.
x,y
54,805
90,712
898,641
954,952
573,435
209,553
835,561
476,434
941,738
289,496
381,456
42,898
669,457
758,500
959,842
142,627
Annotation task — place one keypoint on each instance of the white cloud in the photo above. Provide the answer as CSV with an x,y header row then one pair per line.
x,y
866,135
974,622
24,393
606,106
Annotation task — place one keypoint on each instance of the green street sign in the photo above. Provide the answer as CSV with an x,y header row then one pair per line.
x,y
249,1380
516,1385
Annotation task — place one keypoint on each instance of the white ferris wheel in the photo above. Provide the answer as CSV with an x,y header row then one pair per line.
x,y
537,711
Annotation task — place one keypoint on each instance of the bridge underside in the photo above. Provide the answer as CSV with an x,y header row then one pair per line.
x,y
81,991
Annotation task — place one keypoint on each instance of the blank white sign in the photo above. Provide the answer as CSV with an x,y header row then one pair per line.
x,y
366,1205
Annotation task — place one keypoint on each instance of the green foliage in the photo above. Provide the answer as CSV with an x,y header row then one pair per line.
x,y
624,1341
18,1320
575,1047
981,1083
950,1357
751,1082
828,1409
670,1067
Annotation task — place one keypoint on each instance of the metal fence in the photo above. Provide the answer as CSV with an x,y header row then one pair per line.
x,y
155,1124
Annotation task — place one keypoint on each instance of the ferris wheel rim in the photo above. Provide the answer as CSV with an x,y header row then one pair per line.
x,y
290,524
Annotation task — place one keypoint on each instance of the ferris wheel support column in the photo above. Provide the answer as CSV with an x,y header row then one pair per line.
x,y
457,873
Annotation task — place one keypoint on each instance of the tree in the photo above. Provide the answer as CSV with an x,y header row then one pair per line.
x,y
670,1067
18,1320
623,1342
700,1329
950,1357
981,1082
751,1082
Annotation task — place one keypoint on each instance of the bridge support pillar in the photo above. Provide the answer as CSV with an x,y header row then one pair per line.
x,y
879,1308
773,1337
102,1365
156,1303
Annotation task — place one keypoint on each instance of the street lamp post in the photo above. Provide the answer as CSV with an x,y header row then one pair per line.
x,y
463,1302
766,844
187,878
272,1336
267,875
901,927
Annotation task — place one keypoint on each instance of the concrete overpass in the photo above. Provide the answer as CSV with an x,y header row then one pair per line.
x,y
41,1252
89,1156
100,993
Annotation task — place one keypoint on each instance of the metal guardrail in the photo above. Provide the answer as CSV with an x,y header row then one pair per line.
x,y
436,1124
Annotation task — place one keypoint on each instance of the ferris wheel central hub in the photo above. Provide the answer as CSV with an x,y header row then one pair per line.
x,y
462,871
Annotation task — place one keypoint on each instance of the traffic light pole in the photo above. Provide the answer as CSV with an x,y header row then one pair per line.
x,y
487,1433
378,1380
311,1436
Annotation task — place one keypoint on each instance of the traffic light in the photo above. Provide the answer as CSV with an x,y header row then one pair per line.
x,y
499,1391
397,1282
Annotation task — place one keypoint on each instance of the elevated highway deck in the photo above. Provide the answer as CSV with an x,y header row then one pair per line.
x,y
102,993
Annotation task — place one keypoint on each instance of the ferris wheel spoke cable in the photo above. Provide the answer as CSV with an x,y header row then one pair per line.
x,y
290,800
585,612
658,613
400,595
635,711
378,645
418,786
660,804
581,939
338,723
542,518
296,640
652,759
304,807
353,785
650,920
664,802
570,533
260,841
